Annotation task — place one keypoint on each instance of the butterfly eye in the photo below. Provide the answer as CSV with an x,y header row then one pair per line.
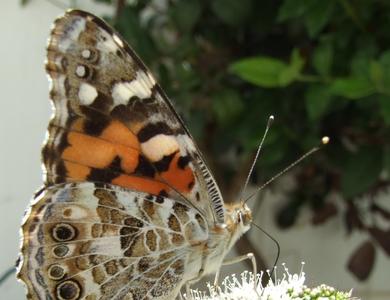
x,y
239,216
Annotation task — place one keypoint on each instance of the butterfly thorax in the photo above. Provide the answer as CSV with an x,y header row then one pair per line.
x,y
222,237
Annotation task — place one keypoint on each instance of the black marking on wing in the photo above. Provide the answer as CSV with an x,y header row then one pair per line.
x,y
95,127
144,167
163,164
152,130
183,161
106,174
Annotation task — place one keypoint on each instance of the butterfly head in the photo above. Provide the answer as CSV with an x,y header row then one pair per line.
x,y
240,217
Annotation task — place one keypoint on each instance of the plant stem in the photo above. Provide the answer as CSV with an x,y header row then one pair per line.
x,y
120,4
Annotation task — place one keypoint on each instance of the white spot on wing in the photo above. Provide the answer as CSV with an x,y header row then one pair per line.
x,y
141,87
151,79
110,45
72,34
86,53
87,94
128,200
165,209
106,42
80,71
158,146
186,143
107,244
75,212
58,85
121,93
117,40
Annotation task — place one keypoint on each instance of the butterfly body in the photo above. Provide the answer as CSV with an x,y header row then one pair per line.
x,y
129,209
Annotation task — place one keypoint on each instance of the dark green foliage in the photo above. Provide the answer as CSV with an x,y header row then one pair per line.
x,y
361,170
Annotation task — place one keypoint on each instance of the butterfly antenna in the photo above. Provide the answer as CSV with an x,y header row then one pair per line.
x,y
269,123
277,246
324,141
7,273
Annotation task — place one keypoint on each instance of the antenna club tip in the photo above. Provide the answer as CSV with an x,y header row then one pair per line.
x,y
271,117
325,140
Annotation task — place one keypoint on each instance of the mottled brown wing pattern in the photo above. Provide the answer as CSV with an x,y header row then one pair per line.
x,y
113,123
94,241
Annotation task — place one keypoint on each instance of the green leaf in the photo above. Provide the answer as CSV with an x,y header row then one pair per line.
x,y
129,25
317,101
361,171
352,87
318,16
296,61
384,61
186,77
376,73
262,71
385,58
227,105
292,71
323,58
232,12
196,122
361,61
292,9
186,13
384,102
386,160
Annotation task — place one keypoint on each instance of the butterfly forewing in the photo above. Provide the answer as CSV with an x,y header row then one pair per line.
x,y
114,124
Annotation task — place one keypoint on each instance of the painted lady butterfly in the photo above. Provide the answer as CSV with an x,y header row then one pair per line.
x,y
129,209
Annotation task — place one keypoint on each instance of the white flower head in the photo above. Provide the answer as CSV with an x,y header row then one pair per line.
x,y
289,286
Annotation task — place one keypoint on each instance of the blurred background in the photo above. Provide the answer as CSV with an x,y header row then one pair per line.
x,y
320,67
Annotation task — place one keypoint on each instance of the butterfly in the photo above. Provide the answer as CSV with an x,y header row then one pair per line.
x,y
129,209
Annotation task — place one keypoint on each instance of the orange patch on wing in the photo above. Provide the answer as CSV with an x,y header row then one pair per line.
x,y
76,171
141,184
118,133
136,127
180,179
97,153
129,158
77,125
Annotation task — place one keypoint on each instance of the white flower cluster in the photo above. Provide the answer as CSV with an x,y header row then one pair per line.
x,y
288,287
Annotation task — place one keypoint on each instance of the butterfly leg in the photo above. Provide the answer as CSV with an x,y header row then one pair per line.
x,y
181,296
192,281
238,259
188,290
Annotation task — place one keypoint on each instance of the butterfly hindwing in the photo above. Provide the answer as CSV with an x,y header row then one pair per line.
x,y
89,241
114,124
